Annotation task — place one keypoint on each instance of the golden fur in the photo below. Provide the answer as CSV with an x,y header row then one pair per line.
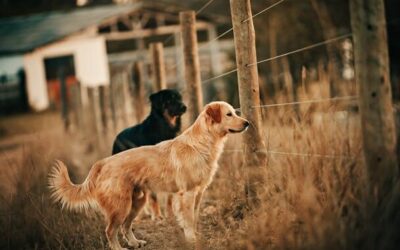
x,y
118,185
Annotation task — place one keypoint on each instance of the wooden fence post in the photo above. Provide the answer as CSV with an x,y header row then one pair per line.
x,y
179,62
112,102
249,93
94,113
372,76
138,91
64,100
127,104
104,92
120,101
191,62
77,107
157,55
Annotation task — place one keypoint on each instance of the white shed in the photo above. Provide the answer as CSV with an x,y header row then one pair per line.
x,y
85,42
67,39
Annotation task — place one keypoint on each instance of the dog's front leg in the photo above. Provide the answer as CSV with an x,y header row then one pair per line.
x,y
184,211
199,197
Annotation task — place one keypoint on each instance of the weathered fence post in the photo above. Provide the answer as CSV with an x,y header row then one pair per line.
x,y
112,102
372,76
120,102
191,62
94,113
64,100
138,90
157,55
127,104
249,94
77,107
104,92
179,61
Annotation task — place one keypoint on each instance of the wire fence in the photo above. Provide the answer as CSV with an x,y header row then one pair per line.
x,y
335,39
333,99
305,48
208,43
202,9
284,153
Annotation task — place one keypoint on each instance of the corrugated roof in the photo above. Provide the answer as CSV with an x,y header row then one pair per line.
x,y
23,34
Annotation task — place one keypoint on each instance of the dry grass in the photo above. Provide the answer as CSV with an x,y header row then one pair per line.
x,y
306,202
28,218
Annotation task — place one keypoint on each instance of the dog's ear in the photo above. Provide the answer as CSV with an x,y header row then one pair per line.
x,y
156,100
214,111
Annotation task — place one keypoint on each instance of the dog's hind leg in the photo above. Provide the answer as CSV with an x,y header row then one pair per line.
x,y
113,227
138,201
155,207
116,211
170,211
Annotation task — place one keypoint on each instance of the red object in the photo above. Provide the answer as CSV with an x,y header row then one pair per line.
x,y
54,90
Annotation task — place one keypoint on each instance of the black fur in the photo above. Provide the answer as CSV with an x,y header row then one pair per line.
x,y
155,128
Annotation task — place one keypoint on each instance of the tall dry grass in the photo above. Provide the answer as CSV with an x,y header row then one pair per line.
x,y
311,198
315,190
313,195
28,218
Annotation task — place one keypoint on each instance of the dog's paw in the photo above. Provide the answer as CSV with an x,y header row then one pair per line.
x,y
137,243
142,243
190,235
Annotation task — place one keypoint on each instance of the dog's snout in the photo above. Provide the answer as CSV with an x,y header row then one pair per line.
x,y
183,107
246,124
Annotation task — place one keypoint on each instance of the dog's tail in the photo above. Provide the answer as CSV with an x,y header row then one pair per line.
x,y
71,196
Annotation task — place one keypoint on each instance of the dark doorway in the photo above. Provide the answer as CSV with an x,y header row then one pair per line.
x,y
55,69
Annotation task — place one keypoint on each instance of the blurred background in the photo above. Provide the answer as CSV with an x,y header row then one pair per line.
x,y
73,73
97,43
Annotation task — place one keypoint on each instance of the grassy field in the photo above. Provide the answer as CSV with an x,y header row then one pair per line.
x,y
312,195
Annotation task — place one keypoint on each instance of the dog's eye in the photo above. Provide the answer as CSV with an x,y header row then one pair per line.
x,y
229,114
238,113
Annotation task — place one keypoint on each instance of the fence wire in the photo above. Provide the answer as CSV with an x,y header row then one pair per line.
x,y
333,99
296,154
315,45
303,49
264,10
202,8
246,20
230,30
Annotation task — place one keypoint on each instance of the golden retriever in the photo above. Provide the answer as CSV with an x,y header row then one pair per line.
x,y
118,185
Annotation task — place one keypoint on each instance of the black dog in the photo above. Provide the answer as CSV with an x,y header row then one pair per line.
x,y
163,123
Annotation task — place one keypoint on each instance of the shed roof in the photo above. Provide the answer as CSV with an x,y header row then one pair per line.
x,y
25,33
